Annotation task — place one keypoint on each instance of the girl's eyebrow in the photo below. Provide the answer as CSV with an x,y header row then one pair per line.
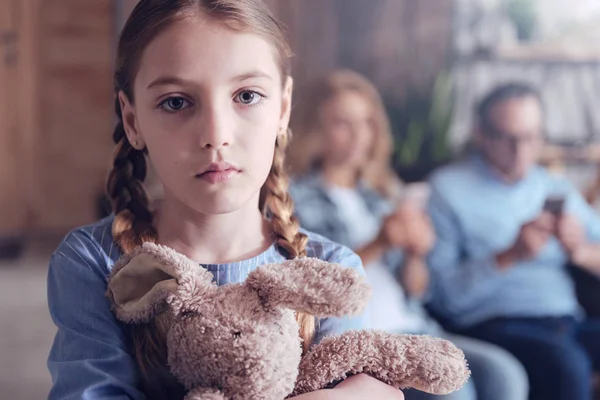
x,y
251,75
173,80
167,80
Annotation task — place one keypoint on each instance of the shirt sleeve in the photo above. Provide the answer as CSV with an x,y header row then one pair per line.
x,y
584,213
90,357
331,326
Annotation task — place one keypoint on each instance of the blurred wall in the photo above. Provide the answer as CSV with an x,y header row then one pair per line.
x,y
57,92
76,112
393,42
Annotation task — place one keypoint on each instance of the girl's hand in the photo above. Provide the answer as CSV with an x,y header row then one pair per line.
x,y
357,387
363,386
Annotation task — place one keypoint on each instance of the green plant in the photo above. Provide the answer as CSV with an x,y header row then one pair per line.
x,y
421,126
523,14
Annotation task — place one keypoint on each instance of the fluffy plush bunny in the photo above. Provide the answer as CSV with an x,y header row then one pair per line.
x,y
241,341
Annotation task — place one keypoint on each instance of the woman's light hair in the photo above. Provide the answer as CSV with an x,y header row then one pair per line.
x,y
307,148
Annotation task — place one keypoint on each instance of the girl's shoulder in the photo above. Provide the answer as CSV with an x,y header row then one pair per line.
x,y
327,250
92,245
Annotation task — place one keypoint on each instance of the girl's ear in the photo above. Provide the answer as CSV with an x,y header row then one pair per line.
x,y
130,122
286,102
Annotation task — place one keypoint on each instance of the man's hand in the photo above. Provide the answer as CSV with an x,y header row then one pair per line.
x,y
532,238
570,233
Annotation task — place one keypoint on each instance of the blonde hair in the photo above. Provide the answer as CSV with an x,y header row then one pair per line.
x,y
307,149
133,223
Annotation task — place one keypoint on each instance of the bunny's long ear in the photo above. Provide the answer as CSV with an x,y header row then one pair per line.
x,y
153,279
311,285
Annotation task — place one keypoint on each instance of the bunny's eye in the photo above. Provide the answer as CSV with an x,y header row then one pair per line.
x,y
237,334
188,314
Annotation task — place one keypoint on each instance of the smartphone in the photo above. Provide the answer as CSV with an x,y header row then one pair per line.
x,y
554,204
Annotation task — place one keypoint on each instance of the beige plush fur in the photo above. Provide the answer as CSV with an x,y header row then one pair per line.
x,y
241,341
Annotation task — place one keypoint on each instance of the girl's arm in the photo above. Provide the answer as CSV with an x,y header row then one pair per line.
x,y
90,357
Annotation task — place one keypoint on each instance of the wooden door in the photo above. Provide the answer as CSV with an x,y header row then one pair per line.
x,y
13,207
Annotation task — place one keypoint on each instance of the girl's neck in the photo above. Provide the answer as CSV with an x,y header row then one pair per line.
x,y
340,176
213,239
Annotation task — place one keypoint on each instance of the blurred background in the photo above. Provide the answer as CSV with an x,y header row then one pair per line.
x,y
431,60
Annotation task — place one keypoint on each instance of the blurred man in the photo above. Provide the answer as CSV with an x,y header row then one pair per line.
x,y
506,231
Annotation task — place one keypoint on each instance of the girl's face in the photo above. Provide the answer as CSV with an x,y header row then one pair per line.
x,y
347,124
209,105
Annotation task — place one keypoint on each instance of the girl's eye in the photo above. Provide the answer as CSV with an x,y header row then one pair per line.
x,y
174,104
248,98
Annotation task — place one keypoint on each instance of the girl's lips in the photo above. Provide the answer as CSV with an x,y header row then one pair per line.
x,y
214,177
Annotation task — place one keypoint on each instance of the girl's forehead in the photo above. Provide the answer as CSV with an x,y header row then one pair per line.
x,y
200,51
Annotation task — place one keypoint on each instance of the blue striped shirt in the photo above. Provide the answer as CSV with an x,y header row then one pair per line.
x,y
91,357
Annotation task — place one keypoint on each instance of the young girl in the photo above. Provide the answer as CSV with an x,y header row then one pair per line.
x,y
203,92
348,193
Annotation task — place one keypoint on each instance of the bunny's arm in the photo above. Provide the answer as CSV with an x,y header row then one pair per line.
x,y
311,285
432,365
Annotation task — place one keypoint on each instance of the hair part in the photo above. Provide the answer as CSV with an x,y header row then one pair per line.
x,y
133,223
308,149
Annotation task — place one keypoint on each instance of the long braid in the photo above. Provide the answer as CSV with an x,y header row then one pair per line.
x,y
277,204
133,224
